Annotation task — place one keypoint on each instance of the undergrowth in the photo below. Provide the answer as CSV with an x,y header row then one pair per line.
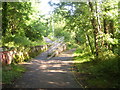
x,y
102,72
71,45
11,72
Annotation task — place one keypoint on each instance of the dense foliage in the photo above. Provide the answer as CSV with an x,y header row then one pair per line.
x,y
94,27
23,28
91,27
94,24
19,28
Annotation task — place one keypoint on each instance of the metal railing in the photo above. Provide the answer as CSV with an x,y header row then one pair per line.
x,y
56,44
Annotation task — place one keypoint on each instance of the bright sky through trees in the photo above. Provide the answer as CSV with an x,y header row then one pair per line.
x,y
45,8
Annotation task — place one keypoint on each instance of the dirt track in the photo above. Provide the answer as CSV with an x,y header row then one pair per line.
x,y
49,73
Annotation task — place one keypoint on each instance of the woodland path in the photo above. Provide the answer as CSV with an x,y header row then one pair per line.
x,y
49,73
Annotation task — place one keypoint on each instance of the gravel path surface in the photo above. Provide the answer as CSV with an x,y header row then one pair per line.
x,y
49,73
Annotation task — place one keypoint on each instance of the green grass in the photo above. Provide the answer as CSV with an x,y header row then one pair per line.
x,y
101,73
71,45
11,72
38,43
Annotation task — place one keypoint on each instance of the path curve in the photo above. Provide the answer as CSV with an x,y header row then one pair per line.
x,y
49,73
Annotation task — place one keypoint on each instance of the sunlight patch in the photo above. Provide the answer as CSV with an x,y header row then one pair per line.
x,y
54,71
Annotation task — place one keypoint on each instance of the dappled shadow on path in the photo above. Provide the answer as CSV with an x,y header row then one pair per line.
x,y
49,73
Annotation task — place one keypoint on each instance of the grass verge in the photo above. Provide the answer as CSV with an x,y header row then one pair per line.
x,y
11,72
96,73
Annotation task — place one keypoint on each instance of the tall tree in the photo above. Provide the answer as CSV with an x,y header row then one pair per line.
x,y
4,18
95,28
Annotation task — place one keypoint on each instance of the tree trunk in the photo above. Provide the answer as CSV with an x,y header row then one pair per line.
x,y
4,21
4,18
111,27
94,24
105,24
88,38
